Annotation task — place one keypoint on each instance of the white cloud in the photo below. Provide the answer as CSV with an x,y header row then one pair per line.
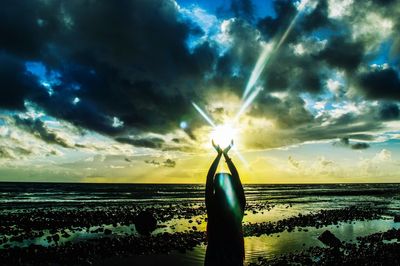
x,y
117,122
307,46
383,155
320,105
339,8
299,49
223,37
373,28
280,94
214,29
306,6
333,85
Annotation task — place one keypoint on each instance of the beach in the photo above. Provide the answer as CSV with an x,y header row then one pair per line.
x,y
97,224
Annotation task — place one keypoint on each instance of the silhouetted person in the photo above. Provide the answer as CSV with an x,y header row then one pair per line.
x,y
225,202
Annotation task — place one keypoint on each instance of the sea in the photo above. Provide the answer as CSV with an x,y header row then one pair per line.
x,y
26,192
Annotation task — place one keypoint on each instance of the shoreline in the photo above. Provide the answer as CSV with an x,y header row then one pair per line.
x,y
109,242
279,221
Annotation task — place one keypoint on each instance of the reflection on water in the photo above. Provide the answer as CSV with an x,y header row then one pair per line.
x,y
272,245
73,236
285,242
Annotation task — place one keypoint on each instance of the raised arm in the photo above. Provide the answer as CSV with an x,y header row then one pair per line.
x,y
235,175
210,176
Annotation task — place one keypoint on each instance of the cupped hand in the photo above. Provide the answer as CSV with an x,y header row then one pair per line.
x,y
225,151
216,147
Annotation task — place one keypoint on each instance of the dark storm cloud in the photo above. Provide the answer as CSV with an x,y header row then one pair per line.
x,y
233,68
380,84
290,72
345,142
317,18
343,53
285,70
15,83
389,111
27,26
129,60
155,143
360,146
288,113
40,130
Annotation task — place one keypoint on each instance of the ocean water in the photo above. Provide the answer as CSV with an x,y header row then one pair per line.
x,y
17,193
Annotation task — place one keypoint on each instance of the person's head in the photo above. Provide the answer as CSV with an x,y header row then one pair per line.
x,y
226,195
223,185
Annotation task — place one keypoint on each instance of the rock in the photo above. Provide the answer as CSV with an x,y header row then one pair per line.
x,y
145,223
329,239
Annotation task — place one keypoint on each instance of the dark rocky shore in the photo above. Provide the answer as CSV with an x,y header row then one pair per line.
x,y
57,224
318,219
375,249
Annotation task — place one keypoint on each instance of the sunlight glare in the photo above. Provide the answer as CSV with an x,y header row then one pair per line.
x,y
223,134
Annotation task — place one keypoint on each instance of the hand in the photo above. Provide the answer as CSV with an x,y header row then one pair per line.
x,y
216,147
225,151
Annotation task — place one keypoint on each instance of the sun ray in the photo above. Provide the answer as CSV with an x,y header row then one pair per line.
x,y
247,103
268,52
203,114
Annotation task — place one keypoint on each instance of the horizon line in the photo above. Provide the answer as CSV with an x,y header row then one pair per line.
x,y
148,183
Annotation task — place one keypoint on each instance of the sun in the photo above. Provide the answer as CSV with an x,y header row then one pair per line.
x,y
223,134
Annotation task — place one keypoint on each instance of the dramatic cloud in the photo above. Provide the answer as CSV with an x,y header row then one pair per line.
x,y
155,143
389,111
133,66
16,84
39,129
360,146
345,142
342,53
129,69
381,84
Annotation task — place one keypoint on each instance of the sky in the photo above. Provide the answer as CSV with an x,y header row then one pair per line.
x,y
134,91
